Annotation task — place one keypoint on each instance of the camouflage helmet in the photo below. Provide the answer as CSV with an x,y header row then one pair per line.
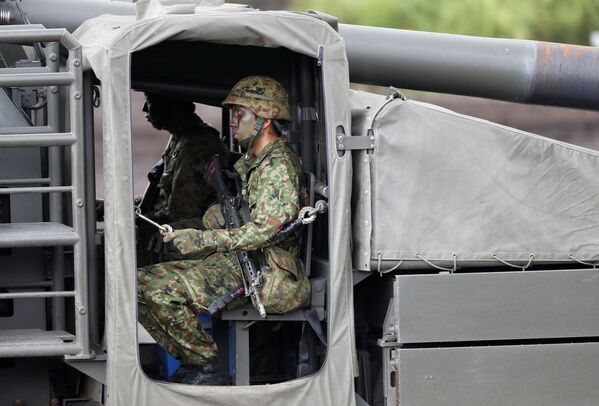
x,y
263,95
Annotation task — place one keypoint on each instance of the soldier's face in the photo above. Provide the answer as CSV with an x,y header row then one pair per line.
x,y
242,125
155,112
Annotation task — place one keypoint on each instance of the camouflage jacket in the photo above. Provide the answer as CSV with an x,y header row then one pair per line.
x,y
183,191
274,191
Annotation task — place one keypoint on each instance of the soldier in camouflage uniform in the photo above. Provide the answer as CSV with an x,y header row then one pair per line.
x,y
171,295
183,196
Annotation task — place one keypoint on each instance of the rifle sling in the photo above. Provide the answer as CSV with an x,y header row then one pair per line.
x,y
222,301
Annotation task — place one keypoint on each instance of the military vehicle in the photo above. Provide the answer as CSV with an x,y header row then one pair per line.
x,y
455,264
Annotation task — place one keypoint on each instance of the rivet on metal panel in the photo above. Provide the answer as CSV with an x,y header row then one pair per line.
x,y
79,203
54,89
53,57
82,310
77,62
341,146
77,95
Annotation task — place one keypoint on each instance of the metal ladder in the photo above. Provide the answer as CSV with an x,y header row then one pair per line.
x,y
35,342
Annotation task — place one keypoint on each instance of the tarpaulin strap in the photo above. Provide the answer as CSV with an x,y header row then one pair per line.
x,y
312,318
530,258
593,264
454,257
303,365
378,266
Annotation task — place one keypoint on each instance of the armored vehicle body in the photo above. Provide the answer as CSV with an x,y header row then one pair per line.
x,y
454,263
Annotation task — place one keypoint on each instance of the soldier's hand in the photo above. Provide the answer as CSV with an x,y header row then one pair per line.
x,y
213,218
189,241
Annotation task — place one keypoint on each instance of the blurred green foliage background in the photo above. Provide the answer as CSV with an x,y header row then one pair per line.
x,y
569,21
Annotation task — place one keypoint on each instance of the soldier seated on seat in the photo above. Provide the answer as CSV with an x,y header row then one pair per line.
x,y
171,295
181,195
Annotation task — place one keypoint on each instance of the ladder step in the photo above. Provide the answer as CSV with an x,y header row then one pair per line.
x,y
24,182
36,235
37,139
36,189
35,69
37,343
29,295
36,79
26,130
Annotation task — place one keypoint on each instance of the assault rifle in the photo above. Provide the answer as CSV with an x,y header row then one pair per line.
x,y
151,194
229,205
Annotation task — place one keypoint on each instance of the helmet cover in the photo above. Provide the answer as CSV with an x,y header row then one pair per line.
x,y
263,95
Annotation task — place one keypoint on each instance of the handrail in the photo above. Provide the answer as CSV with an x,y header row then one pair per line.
x,y
26,35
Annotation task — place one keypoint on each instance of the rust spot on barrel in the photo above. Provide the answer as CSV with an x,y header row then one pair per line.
x,y
566,75
571,50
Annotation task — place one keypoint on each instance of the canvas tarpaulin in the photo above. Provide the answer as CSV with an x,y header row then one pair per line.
x,y
441,188
108,42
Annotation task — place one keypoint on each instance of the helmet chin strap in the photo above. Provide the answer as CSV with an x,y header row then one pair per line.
x,y
247,143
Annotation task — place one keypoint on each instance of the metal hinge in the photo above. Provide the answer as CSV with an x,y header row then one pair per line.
x,y
308,114
351,143
388,340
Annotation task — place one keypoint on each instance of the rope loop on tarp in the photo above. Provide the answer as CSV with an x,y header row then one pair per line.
x,y
378,265
454,256
530,259
593,264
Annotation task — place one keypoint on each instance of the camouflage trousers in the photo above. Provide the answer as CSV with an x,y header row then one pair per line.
x,y
171,295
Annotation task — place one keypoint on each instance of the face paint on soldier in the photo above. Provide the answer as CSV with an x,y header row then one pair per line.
x,y
242,125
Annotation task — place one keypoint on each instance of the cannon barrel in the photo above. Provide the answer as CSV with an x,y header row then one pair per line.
x,y
504,69
68,14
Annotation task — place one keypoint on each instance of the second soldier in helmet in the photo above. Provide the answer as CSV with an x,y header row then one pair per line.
x,y
179,196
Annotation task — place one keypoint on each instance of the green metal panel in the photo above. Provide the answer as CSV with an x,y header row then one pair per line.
x,y
498,306
530,375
